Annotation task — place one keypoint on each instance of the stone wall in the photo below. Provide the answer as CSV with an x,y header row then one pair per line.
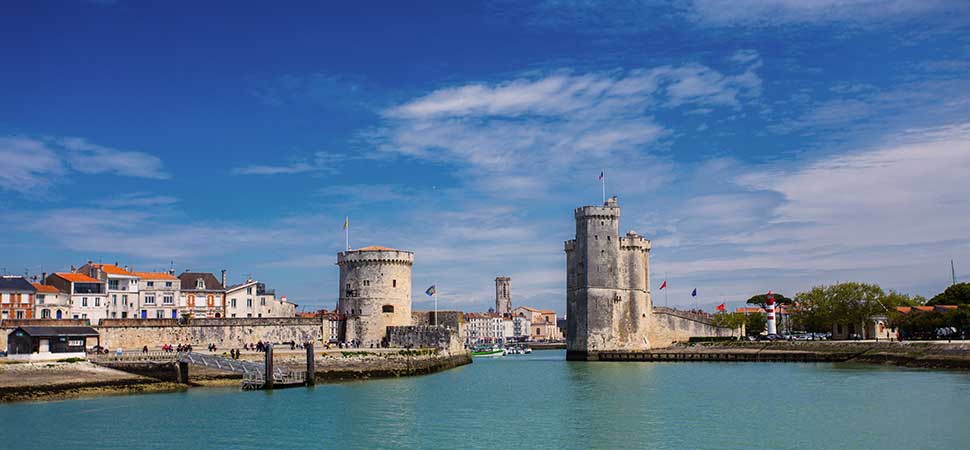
x,y
670,326
425,337
448,319
224,333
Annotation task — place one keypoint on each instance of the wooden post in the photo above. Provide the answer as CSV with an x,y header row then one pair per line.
x,y
182,372
268,368
311,371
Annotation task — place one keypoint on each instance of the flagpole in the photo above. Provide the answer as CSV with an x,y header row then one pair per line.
x,y
435,303
347,232
666,301
603,180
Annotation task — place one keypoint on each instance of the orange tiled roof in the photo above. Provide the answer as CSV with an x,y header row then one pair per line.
x,y
924,308
374,248
546,311
527,308
947,306
112,269
76,277
904,309
154,275
45,288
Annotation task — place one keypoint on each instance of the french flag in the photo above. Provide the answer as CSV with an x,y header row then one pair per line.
x,y
601,175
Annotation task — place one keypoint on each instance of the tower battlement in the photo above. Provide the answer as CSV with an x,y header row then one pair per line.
x,y
610,209
633,241
375,255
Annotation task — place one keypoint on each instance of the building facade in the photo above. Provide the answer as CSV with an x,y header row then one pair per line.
x,y
51,303
503,295
608,306
87,295
541,323
484,328
375,292
202,295
121,288
158,295
252,299
16,298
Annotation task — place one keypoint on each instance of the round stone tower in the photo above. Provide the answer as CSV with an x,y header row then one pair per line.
x,y
375,292
503,296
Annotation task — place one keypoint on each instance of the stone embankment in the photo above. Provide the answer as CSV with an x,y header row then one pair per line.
x,y
62,380
65,380
934,355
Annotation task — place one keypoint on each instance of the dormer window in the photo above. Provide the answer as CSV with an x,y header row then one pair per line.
x,y
200,284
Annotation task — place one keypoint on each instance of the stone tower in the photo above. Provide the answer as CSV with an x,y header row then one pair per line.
x,y
375,292
503,295
608,305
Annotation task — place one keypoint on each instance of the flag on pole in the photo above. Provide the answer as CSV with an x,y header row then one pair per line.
x,y
602,172
346,222
663,285
431,291
693,293
721,307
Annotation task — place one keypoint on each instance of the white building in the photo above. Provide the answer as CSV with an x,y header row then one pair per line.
x,y
51,303
158,295
252,299
122,288
87,295
484,327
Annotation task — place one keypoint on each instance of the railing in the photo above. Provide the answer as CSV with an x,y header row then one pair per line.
x,y
154,355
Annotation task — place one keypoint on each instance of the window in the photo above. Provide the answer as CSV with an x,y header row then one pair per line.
x,y
387,308
199,284
112,284
160,314
75,342
249,290
233,315
168,300
84,315
124,314
114,299
151,284
97,301
114,314
124,300
84,301
168,284
393,283
45,314
249,315
262,301
149,299
249,303
40,299
607,237
20,314
232,302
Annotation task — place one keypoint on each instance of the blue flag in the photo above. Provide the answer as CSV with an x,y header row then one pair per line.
x,y
693,293
430,291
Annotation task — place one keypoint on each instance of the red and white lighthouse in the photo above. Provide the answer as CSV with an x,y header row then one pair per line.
x,y
770,309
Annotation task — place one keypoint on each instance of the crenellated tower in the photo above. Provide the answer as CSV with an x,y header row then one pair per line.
x,y
375,292
608,305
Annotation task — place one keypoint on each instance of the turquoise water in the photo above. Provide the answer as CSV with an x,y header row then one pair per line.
x,y
533,401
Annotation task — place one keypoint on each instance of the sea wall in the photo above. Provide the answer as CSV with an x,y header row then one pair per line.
x,y
441,338
224,333
671,326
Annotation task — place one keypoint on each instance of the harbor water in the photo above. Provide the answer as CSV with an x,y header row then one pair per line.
x,y
533,401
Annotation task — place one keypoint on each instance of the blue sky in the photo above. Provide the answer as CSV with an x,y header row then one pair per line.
x,y
760,145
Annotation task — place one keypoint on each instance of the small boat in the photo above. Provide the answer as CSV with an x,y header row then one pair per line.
x,y
487,351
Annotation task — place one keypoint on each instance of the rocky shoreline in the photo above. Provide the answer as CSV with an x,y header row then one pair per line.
x,y
62,380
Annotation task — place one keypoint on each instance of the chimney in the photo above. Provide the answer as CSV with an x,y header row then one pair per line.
x,y
223,277
73,269
43,278
171,271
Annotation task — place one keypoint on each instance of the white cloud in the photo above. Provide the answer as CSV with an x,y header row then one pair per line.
x,y
137,199
34,165
320,162
775,12
28,165
89,158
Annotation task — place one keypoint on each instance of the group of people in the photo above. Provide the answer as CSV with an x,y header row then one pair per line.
x,y
169,348
258,347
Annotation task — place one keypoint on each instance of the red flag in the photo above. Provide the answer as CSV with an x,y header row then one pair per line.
x,y
721,307
664,284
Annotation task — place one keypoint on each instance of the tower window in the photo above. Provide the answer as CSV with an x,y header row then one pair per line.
x,y
387,308
607,237
596,237
393,283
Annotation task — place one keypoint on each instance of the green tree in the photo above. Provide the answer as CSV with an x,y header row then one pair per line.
x,y
762,300
755,323
824,306
957,294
